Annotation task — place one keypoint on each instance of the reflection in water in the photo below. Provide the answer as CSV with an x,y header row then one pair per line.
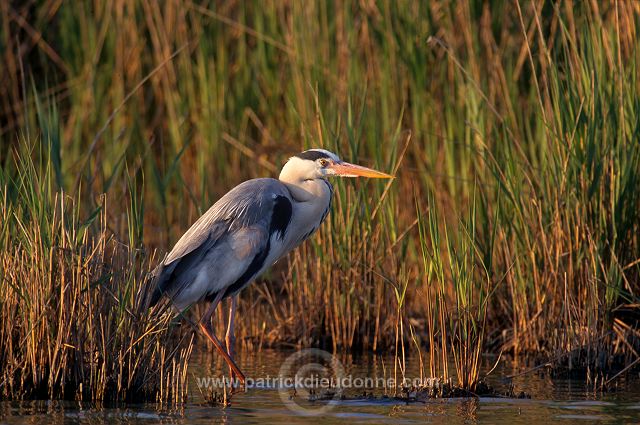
x,y
468,409
552,400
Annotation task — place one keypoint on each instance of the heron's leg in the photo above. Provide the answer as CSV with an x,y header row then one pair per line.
x,y
207,329
230,338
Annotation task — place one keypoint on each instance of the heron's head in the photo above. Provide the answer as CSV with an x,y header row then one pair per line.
x,y
320,163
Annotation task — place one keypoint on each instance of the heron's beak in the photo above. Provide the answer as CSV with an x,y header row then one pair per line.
x,y
345,169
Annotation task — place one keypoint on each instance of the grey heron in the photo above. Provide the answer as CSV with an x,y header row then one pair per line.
x,y
244,232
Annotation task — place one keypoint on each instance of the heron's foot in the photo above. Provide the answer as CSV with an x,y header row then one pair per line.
x,y
237,381
208,332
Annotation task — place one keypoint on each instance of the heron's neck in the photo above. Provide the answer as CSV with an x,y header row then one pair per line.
x,y
304,190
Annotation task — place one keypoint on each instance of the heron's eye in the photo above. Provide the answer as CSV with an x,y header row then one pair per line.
x,y
323,162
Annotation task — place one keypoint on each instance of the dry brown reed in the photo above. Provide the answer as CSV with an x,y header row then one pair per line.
x,y
70,299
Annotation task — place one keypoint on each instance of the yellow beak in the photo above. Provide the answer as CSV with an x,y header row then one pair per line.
x,y
345,169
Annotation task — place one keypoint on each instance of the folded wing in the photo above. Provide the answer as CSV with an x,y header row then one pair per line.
x,y
226,246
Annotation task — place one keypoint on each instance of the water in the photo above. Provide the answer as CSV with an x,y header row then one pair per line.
x,y
552,400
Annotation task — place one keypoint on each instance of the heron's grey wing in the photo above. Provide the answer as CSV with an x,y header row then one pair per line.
x,y
244,219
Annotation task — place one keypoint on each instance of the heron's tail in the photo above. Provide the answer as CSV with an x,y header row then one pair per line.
x,y
154,297
155,287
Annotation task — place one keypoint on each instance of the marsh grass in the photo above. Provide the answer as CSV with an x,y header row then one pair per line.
x,y
523,116
70,298
454,270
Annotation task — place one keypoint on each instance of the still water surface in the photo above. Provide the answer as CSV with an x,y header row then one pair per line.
x,y
552,400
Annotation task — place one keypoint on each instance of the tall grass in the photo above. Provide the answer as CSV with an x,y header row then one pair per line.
x,y
456,329
522,111
71,297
